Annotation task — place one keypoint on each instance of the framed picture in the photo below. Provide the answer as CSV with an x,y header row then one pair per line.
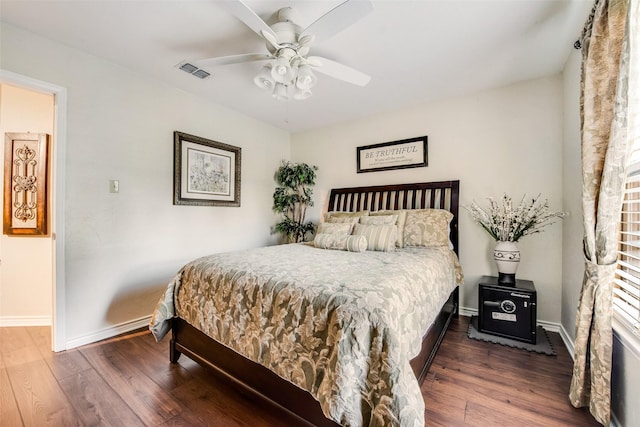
x,y
206,173
406,153
25,184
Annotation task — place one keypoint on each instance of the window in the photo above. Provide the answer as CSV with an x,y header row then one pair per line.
x,y
626,286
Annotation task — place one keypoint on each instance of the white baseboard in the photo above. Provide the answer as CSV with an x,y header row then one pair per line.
x,y
8,321
568,342
465,311
550,326
110,332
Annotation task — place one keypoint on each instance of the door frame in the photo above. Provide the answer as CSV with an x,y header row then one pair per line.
x,y
58,318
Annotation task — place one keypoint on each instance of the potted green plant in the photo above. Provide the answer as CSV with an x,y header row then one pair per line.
x,y
292,197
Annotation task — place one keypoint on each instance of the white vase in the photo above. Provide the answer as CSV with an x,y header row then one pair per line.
x,y
507,256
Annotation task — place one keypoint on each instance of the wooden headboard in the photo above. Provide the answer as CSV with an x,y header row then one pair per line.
x,y
424,195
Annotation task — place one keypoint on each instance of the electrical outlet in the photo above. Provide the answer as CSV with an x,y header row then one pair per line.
x,y
114,186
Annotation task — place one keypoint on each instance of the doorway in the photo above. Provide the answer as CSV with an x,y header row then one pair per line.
x,y
43,256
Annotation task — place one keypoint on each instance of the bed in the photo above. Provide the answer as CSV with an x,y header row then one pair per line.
x,y
356,373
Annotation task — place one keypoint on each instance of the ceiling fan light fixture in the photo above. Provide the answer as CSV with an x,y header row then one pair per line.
x,y
301,94
280,92
306,79
281,71
264,80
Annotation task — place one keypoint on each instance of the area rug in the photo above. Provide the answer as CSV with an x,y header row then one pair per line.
x,y
543,345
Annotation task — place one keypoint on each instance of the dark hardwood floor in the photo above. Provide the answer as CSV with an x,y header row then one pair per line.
x,y
128,381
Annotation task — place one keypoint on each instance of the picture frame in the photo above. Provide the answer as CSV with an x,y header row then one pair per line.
x,y
402,154
26,157
206,172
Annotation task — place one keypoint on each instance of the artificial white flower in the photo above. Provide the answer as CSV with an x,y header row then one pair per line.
x,y
507,223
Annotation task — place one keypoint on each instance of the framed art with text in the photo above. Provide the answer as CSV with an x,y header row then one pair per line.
x,y
206,172
406,153
25,184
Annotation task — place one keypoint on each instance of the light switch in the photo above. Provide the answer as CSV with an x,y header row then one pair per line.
x,y
114,186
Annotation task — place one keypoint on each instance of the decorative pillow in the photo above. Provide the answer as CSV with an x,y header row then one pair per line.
x,y
335,216
427,227
332,228
342,219
379,237
402,218
379,219
340,242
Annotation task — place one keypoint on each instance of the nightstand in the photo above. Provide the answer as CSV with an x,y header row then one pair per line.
x,y
507,310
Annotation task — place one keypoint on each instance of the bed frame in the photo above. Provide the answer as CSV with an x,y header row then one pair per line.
x,y
260,381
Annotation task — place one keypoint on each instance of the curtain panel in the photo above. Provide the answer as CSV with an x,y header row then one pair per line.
x,y
604,117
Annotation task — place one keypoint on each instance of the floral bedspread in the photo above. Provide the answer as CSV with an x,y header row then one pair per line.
x,y
341,325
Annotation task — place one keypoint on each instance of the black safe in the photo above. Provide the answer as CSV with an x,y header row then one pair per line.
x,y
507,310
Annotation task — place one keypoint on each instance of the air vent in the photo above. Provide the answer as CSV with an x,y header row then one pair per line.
x,y
201,73
193,70
188,67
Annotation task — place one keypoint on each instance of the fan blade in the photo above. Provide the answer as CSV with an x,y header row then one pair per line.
x,y
303,51
248,16
305,40
338,19
339,71
234,59
271,39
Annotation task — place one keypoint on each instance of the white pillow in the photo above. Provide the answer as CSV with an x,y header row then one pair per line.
x,y
379,237
340,242
379,219
334,228
338,216
402,218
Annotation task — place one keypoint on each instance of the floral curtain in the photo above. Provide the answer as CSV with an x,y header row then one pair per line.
x,y
606,53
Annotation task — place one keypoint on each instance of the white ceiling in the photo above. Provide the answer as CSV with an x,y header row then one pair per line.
x,y
415,51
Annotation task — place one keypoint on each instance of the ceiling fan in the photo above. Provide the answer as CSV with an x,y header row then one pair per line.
x,y
288,71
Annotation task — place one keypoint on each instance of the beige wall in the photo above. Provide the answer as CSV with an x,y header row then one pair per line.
x,y
122,249
504,140
26,270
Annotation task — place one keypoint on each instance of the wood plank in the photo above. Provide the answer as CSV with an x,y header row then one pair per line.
x,y
17,347
167,375
479,415
9,412
151,403
41,336
19,356
14,338
185,419
443,409
67,363
96,402
62,364
214,403
39,397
